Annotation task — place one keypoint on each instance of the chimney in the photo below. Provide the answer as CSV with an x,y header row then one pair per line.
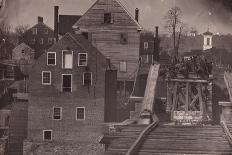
x,y
56,22
137,14
157,46
40,19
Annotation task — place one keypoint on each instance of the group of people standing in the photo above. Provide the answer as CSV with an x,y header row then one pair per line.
x,y
196,64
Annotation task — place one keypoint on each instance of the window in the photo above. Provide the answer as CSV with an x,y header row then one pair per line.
x,y
208,41
51,58
41,41
108,18
50,41
86,35
45,31
145,45
33,41
80,113
34,31
82,59
123,39
122,66
67,82
47,135
87,78
67,62
46,78
57,113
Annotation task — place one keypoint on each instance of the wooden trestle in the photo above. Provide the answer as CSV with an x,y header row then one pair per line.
x,y
189,100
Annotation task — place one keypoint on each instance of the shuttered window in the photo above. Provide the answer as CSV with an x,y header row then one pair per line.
x,y
67,59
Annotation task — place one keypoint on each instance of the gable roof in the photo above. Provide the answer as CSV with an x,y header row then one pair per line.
x,y
120,4
66,22
23,46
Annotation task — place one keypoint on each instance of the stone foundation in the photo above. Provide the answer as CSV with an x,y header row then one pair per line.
x,y
55,148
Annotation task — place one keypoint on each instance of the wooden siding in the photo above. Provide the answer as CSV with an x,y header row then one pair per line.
x,y
106,37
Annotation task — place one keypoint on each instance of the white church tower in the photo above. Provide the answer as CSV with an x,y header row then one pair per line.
x,y
208,36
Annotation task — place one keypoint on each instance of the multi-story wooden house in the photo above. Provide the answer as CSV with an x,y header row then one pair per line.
x,y
39,37
114,32
120,37
70,92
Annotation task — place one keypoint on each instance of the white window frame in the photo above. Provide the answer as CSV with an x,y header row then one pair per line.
x,y
63,59
44,134
83,76
55,58
71,83
85,60
50,82
61,111
84,113
146,45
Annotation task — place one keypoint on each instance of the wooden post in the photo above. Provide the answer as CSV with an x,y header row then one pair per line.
x,y
187,97
174,99
202,104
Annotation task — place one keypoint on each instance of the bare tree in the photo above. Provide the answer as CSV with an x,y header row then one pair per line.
x,y
7,40
21,29
175,26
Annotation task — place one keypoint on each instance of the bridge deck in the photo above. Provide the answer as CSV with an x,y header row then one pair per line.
x,y
170,139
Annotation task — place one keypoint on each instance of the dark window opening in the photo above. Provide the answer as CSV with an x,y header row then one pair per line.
x,y
57,113
86,35
80,114
51,58
123,38
47,135
67,83
87,79
208,41
107,18
83,57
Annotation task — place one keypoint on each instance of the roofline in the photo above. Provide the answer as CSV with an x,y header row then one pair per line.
x,y
140,28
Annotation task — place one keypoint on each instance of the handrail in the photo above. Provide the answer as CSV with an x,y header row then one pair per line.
x,y
227,131
139,140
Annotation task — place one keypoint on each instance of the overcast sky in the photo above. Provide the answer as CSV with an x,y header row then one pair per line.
x,y
197,13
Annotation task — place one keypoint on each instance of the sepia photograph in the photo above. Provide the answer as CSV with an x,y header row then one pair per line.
x,y
115,77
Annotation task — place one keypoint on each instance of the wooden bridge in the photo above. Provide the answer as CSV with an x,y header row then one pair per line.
x,y
190,131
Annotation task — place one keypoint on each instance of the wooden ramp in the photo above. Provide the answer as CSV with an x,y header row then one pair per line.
x,y
170,139
149,95
228,82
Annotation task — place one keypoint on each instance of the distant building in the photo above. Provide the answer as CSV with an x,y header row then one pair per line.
x,y
207,40
23,53
72,93
40,37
